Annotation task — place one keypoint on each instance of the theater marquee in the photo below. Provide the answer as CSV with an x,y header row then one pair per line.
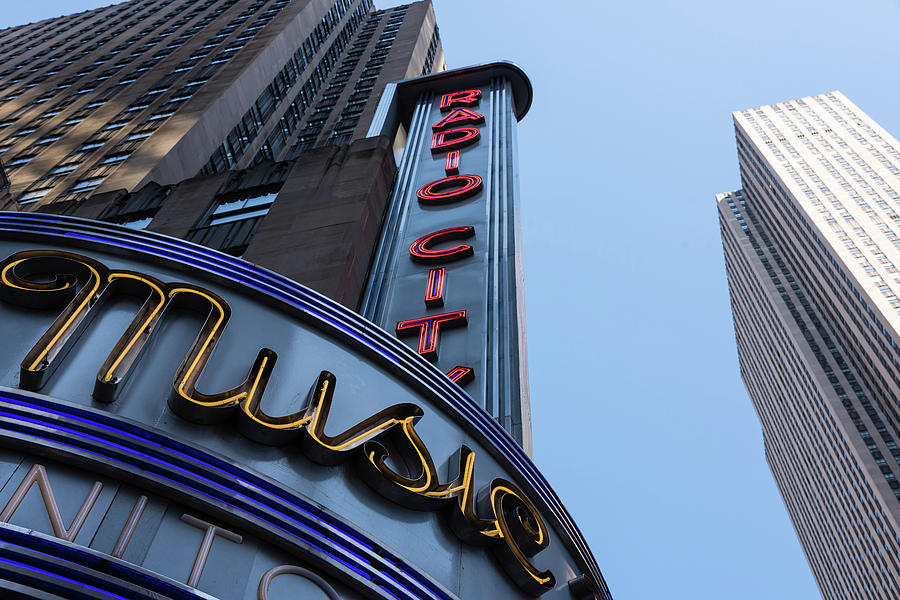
x,y
176,423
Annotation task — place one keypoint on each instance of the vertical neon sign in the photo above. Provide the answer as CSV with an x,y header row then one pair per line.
x,y
450,238
446,191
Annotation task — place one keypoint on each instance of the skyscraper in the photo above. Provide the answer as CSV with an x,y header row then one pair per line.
x,y
179,417
812,244
165,90
200,119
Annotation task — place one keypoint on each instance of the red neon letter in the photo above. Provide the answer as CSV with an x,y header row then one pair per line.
x,y
459,115
461,375
459,138
420,250
460,188
434,289
465,97
451,167
429,329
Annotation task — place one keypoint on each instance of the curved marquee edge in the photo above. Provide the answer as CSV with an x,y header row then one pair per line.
x,y
339,322
151,460
45,564
523,92
399,98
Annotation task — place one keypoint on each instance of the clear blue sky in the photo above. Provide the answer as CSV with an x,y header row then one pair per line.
x,y
641,422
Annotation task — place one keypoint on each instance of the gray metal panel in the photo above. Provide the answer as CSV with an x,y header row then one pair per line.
x,y
385,119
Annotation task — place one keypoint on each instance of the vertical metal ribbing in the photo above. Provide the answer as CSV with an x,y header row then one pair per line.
x,y
377,290
510,386
492,398
521,407
510,353
505,349
501,302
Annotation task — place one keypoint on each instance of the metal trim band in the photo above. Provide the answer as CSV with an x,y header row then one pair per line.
x,y
336,321
211,483
46,564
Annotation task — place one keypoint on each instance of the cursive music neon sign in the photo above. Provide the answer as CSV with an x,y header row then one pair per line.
x,y
499,515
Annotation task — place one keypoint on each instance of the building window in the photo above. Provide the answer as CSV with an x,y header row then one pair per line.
x,y
248,207
33,196
86,185
234,219
161,115
138,136
63,169
138,223
19,160
113,159
90,145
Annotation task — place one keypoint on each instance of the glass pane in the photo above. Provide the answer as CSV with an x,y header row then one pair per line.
x,y
230,218
137,224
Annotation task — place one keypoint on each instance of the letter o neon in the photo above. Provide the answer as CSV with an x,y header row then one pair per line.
x,y
436,192
262,592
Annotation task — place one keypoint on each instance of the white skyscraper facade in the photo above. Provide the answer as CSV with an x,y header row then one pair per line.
x,y
812,248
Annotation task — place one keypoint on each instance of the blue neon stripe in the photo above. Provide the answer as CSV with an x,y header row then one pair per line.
x,y
49,549
52,575
206,460
68,433
294,502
